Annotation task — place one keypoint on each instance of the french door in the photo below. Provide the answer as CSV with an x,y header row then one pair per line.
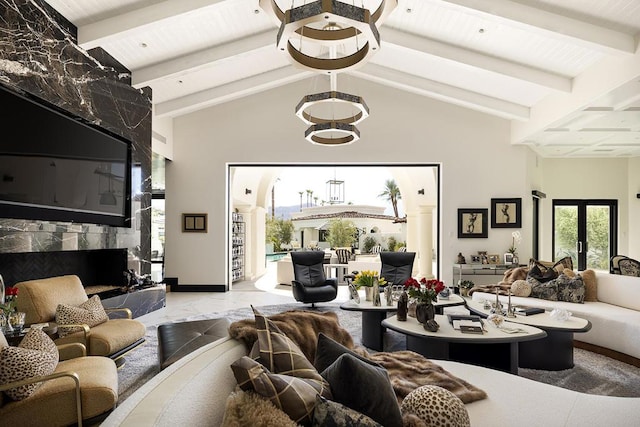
x,y
585,230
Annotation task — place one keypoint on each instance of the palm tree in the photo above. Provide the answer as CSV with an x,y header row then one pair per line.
x,y
391,193
309,193
300,193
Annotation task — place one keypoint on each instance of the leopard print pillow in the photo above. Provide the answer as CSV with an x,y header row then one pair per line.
x,y
90,312
37,355
436,406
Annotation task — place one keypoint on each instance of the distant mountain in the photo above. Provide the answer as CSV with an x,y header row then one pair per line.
x,y
285,211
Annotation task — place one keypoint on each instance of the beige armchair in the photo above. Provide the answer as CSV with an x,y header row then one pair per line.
x,y
113,338
79,389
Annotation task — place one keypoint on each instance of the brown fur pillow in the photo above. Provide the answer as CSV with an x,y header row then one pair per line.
x,y
590,285
246,408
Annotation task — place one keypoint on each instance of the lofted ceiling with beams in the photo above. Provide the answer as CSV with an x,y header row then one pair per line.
x,y
566,73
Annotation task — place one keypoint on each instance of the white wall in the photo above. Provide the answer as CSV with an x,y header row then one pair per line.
x,y
588,179
634,208
478,163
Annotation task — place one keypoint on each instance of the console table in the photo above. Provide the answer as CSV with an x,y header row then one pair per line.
x,y
480,274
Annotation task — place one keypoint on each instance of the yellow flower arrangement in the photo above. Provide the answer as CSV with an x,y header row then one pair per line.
x,y
365,278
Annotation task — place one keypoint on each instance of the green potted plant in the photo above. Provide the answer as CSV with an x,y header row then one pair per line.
x,y
465,285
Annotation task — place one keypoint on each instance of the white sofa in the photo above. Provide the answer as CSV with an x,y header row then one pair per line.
x,y
193,392
615,317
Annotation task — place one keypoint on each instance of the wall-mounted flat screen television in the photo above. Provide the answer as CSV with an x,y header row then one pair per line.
x,y
55,167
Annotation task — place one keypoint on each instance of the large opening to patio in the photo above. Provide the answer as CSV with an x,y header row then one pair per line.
x,y
309,197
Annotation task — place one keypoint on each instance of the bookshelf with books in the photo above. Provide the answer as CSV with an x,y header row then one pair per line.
x,y
237,247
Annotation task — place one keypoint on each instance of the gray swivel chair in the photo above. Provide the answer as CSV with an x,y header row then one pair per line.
x,y
310,284
396,266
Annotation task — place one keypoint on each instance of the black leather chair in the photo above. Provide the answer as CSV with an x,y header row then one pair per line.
x,y
396,266
309,284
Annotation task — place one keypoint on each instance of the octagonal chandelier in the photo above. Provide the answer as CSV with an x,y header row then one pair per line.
x,y
328,37
332,116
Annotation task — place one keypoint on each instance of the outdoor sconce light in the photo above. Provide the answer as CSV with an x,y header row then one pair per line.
x,y
421,191
247,191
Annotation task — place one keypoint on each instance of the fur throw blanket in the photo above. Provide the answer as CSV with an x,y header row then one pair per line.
x,y
302,326
407,370
510,276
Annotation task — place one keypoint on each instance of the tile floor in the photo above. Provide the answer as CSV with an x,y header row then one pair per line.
x,y
259,292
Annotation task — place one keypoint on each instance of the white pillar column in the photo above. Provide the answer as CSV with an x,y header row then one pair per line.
x,y
413,238
258,241
425,241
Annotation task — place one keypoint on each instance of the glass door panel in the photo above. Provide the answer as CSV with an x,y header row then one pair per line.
x,y
585,230
566,232
599,248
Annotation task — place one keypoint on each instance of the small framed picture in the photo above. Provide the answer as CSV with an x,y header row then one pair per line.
x,y
506,213
476,259
494,259
194,222
508,258
472,223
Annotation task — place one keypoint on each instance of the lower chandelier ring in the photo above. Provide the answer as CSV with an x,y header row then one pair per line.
x,y
314,133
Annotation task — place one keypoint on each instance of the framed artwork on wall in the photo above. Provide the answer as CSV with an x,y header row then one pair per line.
x,y
194,222
506,213
472,222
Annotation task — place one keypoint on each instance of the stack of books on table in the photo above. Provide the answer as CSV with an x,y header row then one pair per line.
x,y
469,324
528,311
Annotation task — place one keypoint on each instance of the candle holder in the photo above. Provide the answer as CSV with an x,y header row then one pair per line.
x,y
511,312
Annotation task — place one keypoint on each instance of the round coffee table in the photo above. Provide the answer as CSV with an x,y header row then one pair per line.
x,y
372,317
493,348
555,351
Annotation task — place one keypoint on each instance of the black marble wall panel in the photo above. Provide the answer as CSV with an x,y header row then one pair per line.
x,y
39,55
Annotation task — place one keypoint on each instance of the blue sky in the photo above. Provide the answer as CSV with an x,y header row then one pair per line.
x,y
361,184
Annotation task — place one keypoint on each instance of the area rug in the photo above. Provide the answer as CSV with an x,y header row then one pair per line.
x,y
593,373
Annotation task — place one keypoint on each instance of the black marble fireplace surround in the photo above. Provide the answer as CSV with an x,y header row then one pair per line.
x,y
40,58
95,268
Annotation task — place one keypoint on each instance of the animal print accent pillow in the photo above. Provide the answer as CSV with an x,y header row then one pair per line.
x,y
90,312
36,356
436,406
570,289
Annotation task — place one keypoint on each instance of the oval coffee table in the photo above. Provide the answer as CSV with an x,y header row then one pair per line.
x,y
555,351
372,317
493,348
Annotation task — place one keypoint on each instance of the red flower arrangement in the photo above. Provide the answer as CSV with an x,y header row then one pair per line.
x,y
9,305
424,290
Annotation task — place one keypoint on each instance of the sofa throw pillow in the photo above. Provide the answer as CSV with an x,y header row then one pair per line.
x,y
590,285
541,273
279,354
37,355
90,313
246,408
570,289
329,413
364,388
295,396
563,263
328,350
521,288
544,290
436,406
